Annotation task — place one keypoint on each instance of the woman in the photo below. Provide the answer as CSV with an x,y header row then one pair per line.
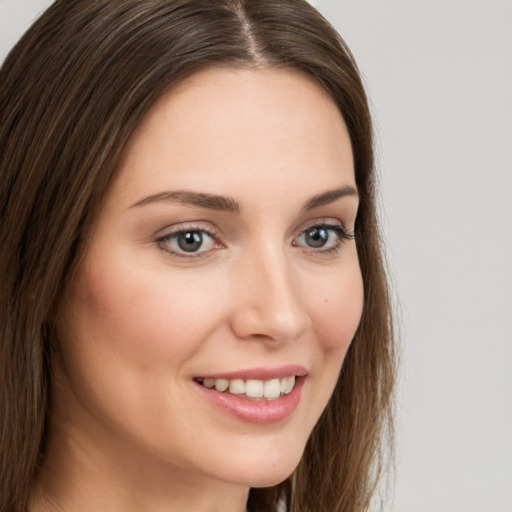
x,y
194,306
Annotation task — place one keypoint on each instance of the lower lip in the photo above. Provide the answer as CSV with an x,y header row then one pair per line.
x,y
262,412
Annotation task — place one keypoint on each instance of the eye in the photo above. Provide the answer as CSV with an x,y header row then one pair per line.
x,y
187,242
325,237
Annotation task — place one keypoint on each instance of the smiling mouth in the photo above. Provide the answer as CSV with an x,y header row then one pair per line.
x,y
251,389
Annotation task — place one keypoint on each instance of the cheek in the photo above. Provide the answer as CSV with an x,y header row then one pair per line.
x,y
127,336
335,303
336,310
138,313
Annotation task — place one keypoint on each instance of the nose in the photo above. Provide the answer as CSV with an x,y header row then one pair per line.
x,y
269,302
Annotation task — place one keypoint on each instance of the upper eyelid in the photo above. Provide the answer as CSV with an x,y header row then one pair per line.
x,y
324,221
213,231
187,226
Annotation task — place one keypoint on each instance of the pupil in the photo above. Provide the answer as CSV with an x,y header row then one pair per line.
x,y
317,237
190,241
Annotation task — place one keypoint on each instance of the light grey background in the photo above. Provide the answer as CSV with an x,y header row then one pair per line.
x,y
439,74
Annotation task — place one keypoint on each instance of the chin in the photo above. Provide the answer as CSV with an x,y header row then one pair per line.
x,y
259,479
273,468
272,479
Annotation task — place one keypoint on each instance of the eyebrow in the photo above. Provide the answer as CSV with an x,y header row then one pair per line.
x,y
210,201
329,196
229,205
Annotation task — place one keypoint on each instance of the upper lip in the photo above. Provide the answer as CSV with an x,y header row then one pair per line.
x,y
261,373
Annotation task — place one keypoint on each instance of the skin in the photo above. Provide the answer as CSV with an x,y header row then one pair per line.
x,y
129,430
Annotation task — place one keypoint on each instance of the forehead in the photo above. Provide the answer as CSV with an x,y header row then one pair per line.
x,y
225,126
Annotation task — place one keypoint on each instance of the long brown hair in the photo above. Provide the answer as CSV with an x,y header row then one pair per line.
x,y
72,91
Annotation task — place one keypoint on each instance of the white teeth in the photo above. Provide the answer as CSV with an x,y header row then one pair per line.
x,y
290,383
221,384
237,386
252,388
209,383
272,388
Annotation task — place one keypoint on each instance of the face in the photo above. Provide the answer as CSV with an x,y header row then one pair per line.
x,y
223,255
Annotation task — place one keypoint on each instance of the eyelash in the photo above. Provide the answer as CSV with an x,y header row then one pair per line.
x,y
342,236
163,241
